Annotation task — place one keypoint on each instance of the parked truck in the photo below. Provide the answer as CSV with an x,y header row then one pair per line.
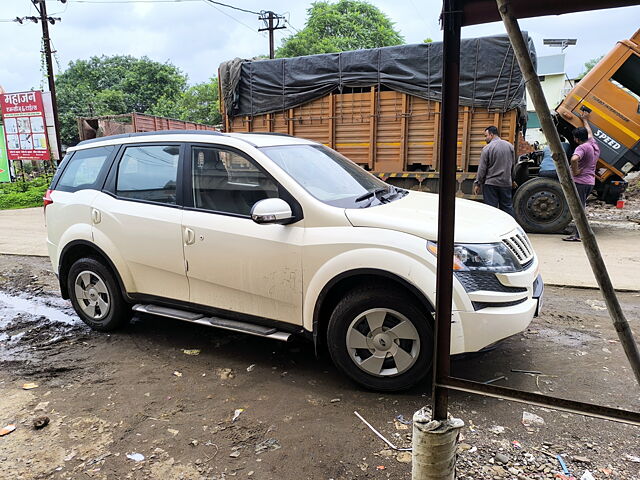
x,y
611,92
92,127
381,108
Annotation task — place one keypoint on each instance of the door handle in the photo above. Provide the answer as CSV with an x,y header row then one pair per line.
x,y
95,216
189,236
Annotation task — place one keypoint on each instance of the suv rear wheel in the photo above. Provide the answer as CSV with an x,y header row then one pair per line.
x,y
381,339
95,295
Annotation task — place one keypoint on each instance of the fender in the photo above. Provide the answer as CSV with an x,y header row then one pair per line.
x,y
419,277
67,248
76,233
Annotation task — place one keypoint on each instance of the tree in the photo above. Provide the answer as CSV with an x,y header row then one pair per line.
x,y
111,86
588,65
199,103
345,25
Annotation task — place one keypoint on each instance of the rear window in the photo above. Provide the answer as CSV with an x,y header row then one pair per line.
x,y
84,168
149,173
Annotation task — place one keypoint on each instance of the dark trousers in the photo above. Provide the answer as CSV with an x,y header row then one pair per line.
x,y
498,197
583,192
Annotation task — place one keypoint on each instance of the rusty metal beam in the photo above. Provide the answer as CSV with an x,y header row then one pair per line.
x,y
581,408
448,140
484,11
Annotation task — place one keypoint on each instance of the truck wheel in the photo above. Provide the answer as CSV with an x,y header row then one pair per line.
x,y
381,339
95,295
540,206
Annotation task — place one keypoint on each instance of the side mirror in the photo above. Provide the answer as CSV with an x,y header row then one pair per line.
x,y
271,210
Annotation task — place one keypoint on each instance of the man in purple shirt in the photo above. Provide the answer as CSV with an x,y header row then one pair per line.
x,y
583,165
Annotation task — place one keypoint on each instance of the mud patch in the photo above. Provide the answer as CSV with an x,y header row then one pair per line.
x,y
31,327
567,338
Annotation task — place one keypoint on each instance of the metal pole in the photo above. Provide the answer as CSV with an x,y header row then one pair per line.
x,y
451,23
271,50
52,86
568,187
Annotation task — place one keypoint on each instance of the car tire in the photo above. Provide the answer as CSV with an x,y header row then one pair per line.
x,y
540,206
96,296
381,339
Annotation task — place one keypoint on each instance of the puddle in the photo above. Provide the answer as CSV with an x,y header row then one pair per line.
x,y
28,325
10,304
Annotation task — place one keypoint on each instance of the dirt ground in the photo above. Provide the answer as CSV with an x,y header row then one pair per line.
x,y
144,391
627,217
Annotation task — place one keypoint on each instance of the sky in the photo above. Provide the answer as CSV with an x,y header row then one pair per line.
x,y
197,36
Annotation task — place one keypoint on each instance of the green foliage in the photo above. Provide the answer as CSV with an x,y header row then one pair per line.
x,y
23,194
199,103
111,86
589,64
345,25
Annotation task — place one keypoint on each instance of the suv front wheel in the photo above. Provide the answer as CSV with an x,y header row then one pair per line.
x,y
381,339
95,295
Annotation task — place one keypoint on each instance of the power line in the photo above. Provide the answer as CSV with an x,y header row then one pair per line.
x,y
289,23
131,1
231,6
207,2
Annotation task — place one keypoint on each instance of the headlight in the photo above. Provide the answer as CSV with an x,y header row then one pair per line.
x,y
480,257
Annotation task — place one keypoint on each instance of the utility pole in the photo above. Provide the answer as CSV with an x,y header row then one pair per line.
x,y
268,18
46,41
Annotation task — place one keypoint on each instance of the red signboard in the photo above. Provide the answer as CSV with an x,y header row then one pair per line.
x,y
24,126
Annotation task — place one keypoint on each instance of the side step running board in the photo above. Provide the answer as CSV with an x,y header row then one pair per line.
x,y
226,324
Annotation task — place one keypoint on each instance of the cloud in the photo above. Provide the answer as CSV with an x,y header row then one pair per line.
x,y
197,37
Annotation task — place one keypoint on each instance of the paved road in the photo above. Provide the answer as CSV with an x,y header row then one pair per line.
x,y
22,232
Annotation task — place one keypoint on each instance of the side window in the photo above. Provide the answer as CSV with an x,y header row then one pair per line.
x,y
227,182
149,173
627,77
83,169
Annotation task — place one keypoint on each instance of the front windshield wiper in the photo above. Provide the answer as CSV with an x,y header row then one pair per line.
x,y
372,193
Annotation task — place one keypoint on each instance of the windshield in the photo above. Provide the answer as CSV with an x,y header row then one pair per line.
x,y
331,177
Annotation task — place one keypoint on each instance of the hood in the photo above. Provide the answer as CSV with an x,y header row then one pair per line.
x,y
417,214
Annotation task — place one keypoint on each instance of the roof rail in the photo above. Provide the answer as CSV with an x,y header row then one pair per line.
x,y
266,133
149,134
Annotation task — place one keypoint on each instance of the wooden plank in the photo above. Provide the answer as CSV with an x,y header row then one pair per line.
x,y
270,122
332,120
290,128
403,130
436,135
466,114
372,128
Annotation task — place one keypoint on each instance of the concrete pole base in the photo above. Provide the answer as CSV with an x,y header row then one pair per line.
x,y
434,446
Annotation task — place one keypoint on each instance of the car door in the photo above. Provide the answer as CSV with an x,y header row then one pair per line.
x,y
233,263
138,219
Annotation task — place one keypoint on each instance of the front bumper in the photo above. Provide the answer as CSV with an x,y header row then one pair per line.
x,y
538,293
496,315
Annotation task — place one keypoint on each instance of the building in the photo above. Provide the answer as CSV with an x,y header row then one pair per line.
x,y
555,86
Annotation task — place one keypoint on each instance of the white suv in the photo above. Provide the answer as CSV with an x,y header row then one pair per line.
x,y
274,235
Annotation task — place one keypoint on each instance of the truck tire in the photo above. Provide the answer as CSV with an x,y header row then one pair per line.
x,y
540,206
381,339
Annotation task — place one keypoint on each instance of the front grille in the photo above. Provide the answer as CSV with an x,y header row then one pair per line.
x,y
519,245
474,281
480,305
